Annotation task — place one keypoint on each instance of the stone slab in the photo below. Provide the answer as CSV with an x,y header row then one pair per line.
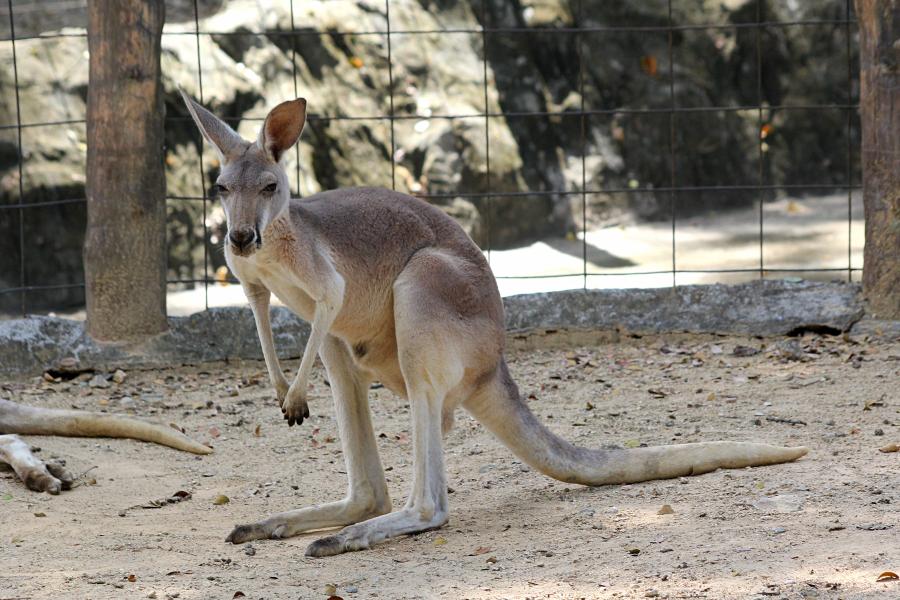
x,y
878,329
764,308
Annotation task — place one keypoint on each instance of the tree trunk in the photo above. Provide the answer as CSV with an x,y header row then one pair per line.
x,y
125,242
879,37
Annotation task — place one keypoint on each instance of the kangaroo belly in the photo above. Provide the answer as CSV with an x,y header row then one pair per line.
x,y
377,357
365,322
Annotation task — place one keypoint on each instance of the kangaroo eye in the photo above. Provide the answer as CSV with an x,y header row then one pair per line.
x,y
270,189
217,190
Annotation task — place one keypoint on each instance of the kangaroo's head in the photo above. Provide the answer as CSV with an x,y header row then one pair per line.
x,y
252,183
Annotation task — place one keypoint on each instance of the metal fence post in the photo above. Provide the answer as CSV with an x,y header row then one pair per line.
x,y
125,242
879,37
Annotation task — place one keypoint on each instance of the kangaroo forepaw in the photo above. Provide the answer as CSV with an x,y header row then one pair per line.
x,y
281,392
295,410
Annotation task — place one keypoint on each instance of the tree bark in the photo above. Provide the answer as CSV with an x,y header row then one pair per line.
x,y
125,242
879,38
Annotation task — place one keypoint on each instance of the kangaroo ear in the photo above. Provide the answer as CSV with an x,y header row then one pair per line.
x,y
223,138
282,128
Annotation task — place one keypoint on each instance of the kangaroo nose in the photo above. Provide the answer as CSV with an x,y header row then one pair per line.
x,y
242,238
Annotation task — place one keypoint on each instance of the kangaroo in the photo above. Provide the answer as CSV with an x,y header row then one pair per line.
x,y
52,476
395,291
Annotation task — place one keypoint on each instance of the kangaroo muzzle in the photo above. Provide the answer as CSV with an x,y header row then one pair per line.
x,y
243,239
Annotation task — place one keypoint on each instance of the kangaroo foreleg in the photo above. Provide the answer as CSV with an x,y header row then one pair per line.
x,y
259,298
328,305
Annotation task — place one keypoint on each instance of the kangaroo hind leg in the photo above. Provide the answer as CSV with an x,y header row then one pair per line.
x,y
367,494
427,506
430,352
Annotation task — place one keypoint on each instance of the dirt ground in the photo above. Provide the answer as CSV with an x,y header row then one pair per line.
x,y
823,527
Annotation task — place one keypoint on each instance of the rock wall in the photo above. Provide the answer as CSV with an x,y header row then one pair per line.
x,y
249,62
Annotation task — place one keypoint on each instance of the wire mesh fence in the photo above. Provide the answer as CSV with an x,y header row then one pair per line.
x,y
582,144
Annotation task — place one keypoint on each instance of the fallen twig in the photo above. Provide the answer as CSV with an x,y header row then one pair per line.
x,y
82,479
784,420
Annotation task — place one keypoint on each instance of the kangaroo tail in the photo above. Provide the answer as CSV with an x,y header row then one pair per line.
x,y
29,420
500,408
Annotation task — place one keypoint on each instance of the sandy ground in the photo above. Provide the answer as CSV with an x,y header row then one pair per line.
x,y
823,527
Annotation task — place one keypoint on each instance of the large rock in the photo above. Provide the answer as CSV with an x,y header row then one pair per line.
x,y
764,308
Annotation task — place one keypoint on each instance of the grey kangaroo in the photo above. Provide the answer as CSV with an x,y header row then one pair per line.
x,y
52,476
395,291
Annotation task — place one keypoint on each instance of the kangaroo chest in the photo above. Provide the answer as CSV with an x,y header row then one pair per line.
x,y
290,294
366,326
275,278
